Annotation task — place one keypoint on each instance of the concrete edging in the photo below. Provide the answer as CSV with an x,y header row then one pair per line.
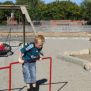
x,y
81,52
84,63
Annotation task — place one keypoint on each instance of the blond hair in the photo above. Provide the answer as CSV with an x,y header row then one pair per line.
x,y
39,38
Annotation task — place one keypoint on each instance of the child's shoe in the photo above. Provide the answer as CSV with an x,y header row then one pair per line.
x,y
28,89
36,88
31,89
34,85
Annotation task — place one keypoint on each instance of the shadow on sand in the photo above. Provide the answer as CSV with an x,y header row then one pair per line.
x,y
40,82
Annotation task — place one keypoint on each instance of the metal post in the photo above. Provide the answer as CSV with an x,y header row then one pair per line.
x,y
10,74
50,81
23,16
10,78
50,77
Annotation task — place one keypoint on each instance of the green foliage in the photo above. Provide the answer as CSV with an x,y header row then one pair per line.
x,y
21,2
86,10
38,10
61,10
5,13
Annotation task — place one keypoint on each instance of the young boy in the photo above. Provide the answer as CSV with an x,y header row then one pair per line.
x,y
29,55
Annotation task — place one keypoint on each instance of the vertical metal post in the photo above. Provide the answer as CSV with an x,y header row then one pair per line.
x,y
10,77
10,36
23,16
50,79
10,74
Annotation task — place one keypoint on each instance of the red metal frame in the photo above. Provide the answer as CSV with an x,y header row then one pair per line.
x,y
10,72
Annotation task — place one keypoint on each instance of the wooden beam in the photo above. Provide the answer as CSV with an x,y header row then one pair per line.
x,y
12,7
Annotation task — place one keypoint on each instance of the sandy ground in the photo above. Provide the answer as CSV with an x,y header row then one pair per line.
x,y
65,76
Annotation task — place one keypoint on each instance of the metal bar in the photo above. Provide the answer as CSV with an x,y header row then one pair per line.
x,y
24,11
50,80
9,7
23,18
50,75
4,67
10,78
14,63
10,72
14,7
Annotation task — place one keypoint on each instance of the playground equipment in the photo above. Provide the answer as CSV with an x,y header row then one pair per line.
x,y
24,14
24,11
13,63
5,50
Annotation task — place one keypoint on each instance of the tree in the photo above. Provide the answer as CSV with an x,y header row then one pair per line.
x,y
32,6
62,10
5,13
32,3
21,2
86,7
38,10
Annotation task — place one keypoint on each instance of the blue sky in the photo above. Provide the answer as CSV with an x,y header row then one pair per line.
x,y
47,1
77,1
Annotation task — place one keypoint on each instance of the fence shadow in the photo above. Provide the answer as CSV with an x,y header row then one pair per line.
x,y
41,82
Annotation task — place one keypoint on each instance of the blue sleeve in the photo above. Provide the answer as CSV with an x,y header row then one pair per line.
x,y
26,48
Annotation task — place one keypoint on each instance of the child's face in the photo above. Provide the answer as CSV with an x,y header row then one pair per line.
x,y
39,44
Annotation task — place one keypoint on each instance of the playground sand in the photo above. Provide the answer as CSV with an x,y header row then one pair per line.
x,y
65,76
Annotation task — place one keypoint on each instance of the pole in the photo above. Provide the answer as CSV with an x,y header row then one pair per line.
x,y
50,74
23,16
10,78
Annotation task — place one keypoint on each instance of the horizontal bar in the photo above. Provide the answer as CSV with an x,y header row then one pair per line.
x,y
11,6
46,58
18,63
7,67
14,63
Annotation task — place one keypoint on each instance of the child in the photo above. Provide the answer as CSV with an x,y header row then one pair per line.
x,y
30,54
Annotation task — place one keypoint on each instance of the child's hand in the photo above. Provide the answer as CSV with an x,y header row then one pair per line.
x,y
20,60
40,59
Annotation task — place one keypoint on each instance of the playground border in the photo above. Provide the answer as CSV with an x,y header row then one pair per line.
x,y
75,60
